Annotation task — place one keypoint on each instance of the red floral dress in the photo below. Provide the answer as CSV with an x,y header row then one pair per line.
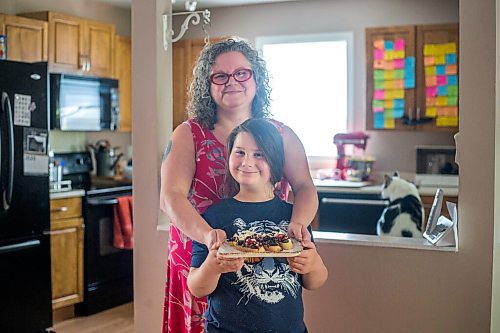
x,y
182,312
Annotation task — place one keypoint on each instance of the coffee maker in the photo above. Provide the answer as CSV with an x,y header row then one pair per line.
x,y
349,168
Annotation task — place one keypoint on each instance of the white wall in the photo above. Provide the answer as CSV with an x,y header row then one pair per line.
x,y
393,150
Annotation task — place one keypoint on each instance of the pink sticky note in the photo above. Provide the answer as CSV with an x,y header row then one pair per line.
x,y
431,91
399,44
378,109
378,94
441,80
378,54
399,63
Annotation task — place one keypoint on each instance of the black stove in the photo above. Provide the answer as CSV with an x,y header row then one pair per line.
x,y
108,271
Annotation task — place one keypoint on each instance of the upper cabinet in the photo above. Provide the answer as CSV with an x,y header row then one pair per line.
x,y
123,69
184,56
412,78
26,38
78,45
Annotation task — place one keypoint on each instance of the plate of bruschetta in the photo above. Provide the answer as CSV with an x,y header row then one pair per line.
x,y
260,245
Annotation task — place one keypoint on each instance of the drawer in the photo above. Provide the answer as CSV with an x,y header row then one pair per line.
x,y
65,208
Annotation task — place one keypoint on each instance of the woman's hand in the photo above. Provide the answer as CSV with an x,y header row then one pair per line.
x,y
215,238
299,232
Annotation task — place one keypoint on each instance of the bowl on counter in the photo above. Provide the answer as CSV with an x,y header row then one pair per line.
x,y
359,168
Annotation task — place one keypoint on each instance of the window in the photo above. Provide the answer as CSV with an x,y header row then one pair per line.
x,y
311,79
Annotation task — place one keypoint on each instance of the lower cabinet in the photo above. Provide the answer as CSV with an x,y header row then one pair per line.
x,y
350,213
66,245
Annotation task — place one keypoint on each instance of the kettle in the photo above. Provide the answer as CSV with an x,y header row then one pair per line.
x,y
106,158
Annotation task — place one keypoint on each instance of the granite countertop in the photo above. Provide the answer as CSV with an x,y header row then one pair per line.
x,y
333,186
67,194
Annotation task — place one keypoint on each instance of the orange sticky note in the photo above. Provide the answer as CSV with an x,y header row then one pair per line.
x,y
430,81
389,104
429,60
430,101
379,44
378,64
451,69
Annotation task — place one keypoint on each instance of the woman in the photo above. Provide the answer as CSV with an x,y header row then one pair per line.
x,y
230,85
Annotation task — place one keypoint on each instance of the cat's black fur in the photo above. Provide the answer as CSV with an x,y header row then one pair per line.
x,y
405,214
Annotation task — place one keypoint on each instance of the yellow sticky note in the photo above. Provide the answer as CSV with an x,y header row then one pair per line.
x,y
379,44
451,47
389,94
389,85
431,112
389,123
399,54
389,104
429,50
389,55
399,93
440,59
430,71
441,101
445,121
388,74
440,49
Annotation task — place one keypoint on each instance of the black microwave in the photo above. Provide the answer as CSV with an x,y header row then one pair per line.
x,y
79,103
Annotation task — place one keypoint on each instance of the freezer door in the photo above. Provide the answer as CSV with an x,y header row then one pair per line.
x,y
25,285
24,183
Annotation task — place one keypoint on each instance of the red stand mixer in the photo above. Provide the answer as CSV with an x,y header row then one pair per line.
x,y
349,168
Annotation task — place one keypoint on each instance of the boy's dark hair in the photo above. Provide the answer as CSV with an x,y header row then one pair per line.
x,y
268,140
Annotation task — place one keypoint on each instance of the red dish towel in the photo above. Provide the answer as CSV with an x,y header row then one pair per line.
x,y
123,236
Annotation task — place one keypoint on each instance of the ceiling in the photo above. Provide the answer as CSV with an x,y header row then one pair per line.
x,y
178,6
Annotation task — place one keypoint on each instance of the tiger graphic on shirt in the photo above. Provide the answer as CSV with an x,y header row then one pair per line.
x,y
271,279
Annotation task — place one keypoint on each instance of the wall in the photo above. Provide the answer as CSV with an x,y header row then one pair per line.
x,y
393,150
495,304
77,141
382,289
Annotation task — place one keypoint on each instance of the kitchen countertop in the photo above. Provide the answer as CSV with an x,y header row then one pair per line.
x,y
332,186
67,194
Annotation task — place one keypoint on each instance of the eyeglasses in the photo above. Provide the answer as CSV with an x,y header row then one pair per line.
x,y
240,75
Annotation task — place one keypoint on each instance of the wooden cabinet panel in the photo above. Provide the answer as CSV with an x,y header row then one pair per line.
x,y
26,38
66,242
415,38
123,73
78,45
185,53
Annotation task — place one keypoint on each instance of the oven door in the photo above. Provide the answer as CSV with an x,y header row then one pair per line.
x,y
108,271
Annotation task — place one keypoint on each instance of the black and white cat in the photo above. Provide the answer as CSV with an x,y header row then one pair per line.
x,y
405,214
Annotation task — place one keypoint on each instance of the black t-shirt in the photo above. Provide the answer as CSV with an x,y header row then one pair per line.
x,y
262,297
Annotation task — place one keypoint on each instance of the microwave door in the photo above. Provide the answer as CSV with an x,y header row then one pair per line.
x,y
80,105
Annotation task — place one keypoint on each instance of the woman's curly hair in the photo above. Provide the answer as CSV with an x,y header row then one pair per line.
x,y
201,107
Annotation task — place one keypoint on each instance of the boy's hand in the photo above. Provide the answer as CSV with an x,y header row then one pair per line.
x,y
306,261
222,264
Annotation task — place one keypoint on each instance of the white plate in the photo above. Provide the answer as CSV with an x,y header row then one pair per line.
x,y
229,251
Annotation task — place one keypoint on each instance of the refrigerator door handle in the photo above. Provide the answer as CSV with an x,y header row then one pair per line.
x,y
19,246
7,192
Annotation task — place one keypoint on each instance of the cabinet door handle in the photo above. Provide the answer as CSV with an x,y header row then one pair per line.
x,y
62,231
88,64
59,209
82,62
410,114
354,202
418,114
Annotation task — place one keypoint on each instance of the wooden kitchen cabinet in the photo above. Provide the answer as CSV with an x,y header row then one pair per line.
x,y
78,45
123,73
416,116
26,38
184,56
66,245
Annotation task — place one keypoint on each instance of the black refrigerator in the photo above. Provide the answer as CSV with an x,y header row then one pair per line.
x,y
25,283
